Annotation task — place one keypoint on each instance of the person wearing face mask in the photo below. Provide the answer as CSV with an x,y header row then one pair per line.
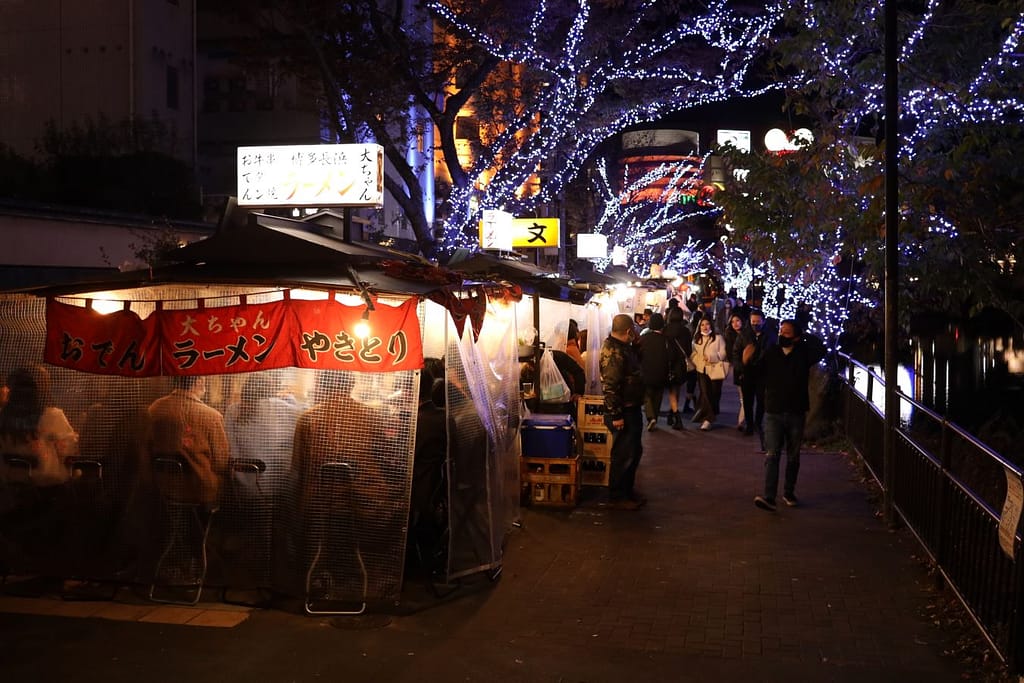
x,y
711,358
786,370
748,353
623,387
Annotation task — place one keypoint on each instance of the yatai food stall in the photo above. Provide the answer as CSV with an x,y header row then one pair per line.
x,y
311,349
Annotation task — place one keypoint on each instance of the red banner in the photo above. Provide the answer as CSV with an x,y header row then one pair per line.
x,y
328,337
119,343
228,339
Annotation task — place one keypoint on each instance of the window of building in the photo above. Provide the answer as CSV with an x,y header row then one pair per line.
x,y
467,128
236,94
172,87
211,95
263,87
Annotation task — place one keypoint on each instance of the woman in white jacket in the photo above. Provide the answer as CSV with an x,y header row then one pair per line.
x,y
33,431
711,358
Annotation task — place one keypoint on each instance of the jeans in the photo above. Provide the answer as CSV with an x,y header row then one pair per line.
x,y
626,452
782,429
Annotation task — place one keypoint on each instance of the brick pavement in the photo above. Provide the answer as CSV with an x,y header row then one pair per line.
x,y
698,586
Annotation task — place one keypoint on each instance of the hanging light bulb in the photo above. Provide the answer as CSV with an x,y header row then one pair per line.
x,y
362,328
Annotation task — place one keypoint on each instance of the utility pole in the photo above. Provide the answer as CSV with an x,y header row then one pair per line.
x,y
892,244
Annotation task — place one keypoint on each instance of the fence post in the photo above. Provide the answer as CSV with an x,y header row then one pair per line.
x,y
941,502
1015,654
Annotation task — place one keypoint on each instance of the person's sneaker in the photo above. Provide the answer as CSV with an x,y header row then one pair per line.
x,y
764,503
790,500
652,424
705,425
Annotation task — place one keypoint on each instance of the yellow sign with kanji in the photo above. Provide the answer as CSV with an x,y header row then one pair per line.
x,y
531,233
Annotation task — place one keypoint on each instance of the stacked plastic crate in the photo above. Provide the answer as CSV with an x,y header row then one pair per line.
x,y
595,442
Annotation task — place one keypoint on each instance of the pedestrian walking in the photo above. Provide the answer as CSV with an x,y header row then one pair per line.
x,y
623,388
786,369
680,347
747,356
732,333
654,367
711,360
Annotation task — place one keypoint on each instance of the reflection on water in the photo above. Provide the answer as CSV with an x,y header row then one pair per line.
x,y
1014,357
951,368
874,388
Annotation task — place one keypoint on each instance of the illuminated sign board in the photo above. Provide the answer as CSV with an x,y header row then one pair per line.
x,y
531,233
311,175
740,139
496,230
591,245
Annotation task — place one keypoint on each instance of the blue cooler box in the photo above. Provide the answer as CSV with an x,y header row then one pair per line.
x,y
548,436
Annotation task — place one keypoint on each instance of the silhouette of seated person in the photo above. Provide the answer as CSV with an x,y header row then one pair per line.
x,y
337,430
184,429
35,440
261,430
342,496
35,437
112,431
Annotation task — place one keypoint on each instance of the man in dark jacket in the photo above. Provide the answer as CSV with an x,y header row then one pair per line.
x,y
786,371
623,389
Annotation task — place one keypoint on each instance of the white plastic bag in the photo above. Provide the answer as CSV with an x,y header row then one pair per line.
x,y
553,388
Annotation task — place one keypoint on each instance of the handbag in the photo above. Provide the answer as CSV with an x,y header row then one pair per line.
x,y
715,370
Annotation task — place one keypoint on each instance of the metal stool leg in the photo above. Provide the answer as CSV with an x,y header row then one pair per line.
x,y
336,478
203,561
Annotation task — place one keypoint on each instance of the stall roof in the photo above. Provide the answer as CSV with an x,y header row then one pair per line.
x,y
532,278
373,280
264,239
283,252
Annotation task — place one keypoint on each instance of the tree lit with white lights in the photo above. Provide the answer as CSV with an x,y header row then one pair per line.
x,y
597,69
650,230
961,183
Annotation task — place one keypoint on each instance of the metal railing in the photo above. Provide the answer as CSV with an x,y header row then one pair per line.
x,y
948,489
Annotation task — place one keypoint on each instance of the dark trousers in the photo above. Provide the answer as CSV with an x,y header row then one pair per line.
x,y
652,401
753,402
782,430
710,397
627,450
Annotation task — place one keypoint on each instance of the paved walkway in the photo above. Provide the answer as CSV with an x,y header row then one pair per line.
x,y
698,586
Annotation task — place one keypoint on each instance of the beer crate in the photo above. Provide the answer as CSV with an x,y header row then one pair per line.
x,y
590,412
594,471
595,443
550,481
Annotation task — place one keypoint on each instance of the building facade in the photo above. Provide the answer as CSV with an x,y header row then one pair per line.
x,y
76,64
